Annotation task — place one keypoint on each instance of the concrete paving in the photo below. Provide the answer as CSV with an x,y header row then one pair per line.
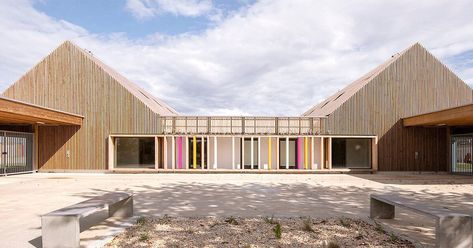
x,y
24,198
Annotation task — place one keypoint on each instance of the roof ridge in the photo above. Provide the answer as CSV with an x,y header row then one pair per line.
x,y
353,87
152,102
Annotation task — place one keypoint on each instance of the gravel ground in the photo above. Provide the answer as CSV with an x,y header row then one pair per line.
x,y
255,232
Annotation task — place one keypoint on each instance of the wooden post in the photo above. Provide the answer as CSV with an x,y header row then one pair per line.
x,y
156,153
215,152
202,152
329,153
194,152
242,166
111,152
251,152
374,153
165,151
306,153
208,153
322,153
259,154
173,153
269,153
187,152
233,152
287,153
277,153
312,165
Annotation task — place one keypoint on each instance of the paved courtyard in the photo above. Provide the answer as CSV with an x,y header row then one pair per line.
x,y
25,197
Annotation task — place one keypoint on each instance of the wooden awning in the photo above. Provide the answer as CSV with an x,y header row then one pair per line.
x,y
457,116
16,112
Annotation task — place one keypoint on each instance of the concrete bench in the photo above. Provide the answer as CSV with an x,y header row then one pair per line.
x,y
61,228
452,229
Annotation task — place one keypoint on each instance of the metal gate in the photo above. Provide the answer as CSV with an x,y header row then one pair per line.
x,y
462,151
16,152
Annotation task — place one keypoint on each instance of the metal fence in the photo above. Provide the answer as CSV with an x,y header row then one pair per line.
x,y
462,150
16,152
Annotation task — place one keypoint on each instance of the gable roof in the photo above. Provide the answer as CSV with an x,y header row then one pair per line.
x,y
155,104
332,103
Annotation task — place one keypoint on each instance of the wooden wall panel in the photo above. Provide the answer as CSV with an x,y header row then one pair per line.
x,y
70,81
414,83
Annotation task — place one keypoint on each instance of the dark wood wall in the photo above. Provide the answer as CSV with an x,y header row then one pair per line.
x,y
69,80
414,83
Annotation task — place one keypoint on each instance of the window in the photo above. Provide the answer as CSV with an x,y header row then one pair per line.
x,y
134,152
292,153
247,153
351,153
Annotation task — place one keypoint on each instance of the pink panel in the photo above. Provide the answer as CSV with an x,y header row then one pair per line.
x,y
299,152
179,152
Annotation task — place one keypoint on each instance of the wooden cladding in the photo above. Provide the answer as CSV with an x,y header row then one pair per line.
x,y
415,83
70,80
241,125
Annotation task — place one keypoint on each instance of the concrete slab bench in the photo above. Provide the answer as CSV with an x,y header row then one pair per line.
x,y
61,228
452,229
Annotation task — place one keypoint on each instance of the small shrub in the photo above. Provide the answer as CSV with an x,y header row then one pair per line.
x,y
307,225
144,237
393,238
231,220
359,237
188,230
277,231
141,221
379,228
270,220
345,222
332,244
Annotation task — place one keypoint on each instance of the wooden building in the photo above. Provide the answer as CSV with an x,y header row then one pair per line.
x,y
410,83
72,80
110,124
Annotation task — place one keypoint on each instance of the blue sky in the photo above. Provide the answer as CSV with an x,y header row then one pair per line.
x,y
237,57
112,16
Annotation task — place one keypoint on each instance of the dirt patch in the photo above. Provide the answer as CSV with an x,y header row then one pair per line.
x,y
255,232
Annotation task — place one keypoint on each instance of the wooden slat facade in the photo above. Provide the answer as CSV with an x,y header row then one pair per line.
x,y
69,80
415,83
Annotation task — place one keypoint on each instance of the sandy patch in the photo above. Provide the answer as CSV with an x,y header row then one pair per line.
x,y
255,232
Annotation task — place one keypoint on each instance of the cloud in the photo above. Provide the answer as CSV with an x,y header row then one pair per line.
x,y
143,9
274,57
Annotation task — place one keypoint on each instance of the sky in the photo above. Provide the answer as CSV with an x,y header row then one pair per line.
x,y
237,57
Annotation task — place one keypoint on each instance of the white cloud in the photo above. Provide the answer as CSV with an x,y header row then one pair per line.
x,y
273,57
148,8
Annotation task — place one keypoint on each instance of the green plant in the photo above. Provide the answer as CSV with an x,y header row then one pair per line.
x,y
141,220
345,222
393,238
144,237
332,244
307,225
270,220
231,220
188,230
277,230
379,228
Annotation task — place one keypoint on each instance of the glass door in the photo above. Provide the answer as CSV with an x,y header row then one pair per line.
x,y
249,162
462,150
